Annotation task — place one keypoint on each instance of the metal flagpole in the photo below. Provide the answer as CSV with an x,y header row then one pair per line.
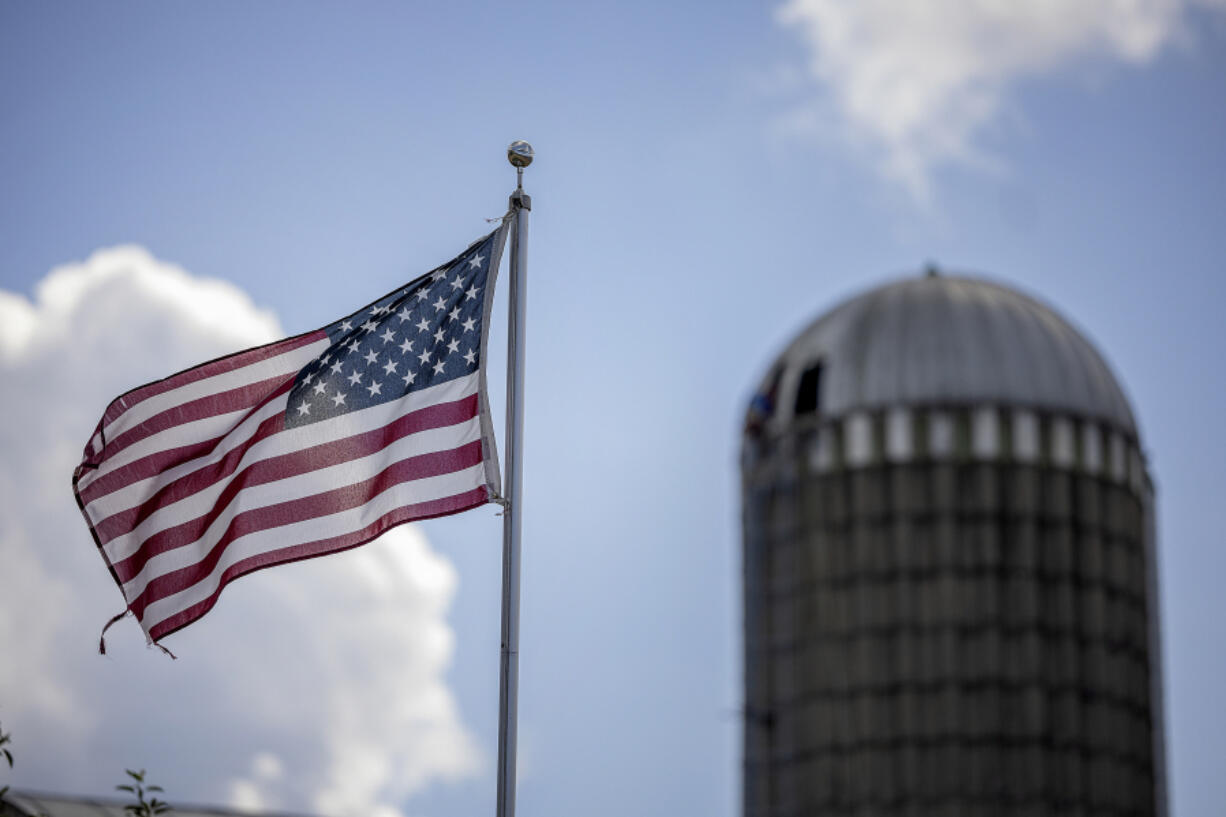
x,y
520,155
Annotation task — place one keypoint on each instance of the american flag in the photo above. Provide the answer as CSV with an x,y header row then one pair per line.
x,y
303,447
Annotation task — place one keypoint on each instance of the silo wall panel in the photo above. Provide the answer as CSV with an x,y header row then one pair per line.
x,y
947,637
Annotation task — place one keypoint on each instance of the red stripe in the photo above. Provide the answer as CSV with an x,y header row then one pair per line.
x,y
124,521
145,468
285,465
153,464
238,360
321,547
90,451
210,405
295,510
264,471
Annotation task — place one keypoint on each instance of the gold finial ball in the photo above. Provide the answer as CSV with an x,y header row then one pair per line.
x,y
519,153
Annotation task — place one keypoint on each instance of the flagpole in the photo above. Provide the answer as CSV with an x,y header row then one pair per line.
x,y
520,155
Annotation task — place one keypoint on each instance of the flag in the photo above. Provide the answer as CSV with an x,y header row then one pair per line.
x,y
307,446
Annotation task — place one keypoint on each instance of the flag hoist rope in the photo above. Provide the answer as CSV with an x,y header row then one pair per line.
x,y
520,155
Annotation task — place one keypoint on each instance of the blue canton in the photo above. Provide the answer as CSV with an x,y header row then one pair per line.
x,y
427,333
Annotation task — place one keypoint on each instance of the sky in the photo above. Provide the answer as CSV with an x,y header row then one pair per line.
x,y
184,180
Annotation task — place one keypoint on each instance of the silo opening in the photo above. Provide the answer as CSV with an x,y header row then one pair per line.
x,y
808,393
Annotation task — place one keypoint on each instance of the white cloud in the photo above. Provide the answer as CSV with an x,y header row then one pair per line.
x,y
318,686
919,80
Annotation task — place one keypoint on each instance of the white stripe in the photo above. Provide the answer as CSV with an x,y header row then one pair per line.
x,y
137,493
206,428
259,496
310,530
285,442
282,364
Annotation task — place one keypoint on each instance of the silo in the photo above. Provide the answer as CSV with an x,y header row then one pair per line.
x,y
949,577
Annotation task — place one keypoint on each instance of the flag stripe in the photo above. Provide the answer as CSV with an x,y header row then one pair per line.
x,y
280,358
205,530
320,547
267,367
262,435
136,466
196,424
144,470
266,529
132,504
222,407
205,428
194,493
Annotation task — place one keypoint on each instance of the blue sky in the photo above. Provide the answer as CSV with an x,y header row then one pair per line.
x,y
709,178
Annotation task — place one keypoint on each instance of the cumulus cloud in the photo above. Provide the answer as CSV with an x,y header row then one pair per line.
x,y
318,686
919,80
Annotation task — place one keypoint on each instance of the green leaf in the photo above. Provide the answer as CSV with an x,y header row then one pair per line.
x,y
126,788
155,788
8,756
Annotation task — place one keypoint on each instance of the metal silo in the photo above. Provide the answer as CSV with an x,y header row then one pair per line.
x,y
949,576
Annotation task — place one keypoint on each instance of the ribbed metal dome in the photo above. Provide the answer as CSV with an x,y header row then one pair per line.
x,y
938,339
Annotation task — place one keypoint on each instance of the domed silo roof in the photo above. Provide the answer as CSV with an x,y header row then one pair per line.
x,y
946,340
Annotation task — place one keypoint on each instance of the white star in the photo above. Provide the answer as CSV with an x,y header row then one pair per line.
x,y
304,408
403,314
422,294
369,326
476,260
389,367
469,324
439,275
439,305
472,292
453,346
321,387
388,335
346,325
407,346
470,356
310,376
438,367
355,379
457,282
336,367
408,378
454,314
338,398
353,345
374,388
371,357
424,357
423,325
438,336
